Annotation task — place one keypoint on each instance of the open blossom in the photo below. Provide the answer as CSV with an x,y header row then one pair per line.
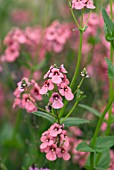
x,y
35,91
56,101
63,153
24,83
48,85
51,153
55,143
64,90
55,129
28,103
56,76
80,4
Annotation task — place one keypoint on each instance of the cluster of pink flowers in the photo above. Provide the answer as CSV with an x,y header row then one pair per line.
x,y
77,156
111,166
58,82
80,4
55,143
26,95
36,41
56,36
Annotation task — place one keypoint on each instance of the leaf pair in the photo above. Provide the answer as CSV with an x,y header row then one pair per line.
x,y
70,121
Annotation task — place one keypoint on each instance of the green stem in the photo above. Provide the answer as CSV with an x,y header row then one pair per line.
x,y
78,61
75,20
93,142
78,87
110,81
70,111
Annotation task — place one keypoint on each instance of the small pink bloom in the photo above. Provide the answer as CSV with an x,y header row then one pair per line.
x,y
64,90
27,103
48,85
65,80
63,153
35,91
51,155
55,129
49,71
48,142
17,102
56,101
78,4
11,53
56,76
90,4
64,141
62,69
19,36
17,92
23,84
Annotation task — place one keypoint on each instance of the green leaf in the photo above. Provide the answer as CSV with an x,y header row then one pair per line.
x,y
90,109
72,121
84,147
110,69
108,22
104,142
101,161
104,161
45,116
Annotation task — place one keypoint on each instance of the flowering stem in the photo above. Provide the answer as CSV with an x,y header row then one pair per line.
x,y
93,141
78,61
78,87
70,111
75,20
110,81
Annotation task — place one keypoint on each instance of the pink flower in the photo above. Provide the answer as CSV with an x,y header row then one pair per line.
x,y
49,71
80,4
55,129
17,102
27,103
56,101
64,138
65,80
11,53
35,91
19,36
51,155
64,90
56,76
62,69
24,83
89,4
63,153
48,85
